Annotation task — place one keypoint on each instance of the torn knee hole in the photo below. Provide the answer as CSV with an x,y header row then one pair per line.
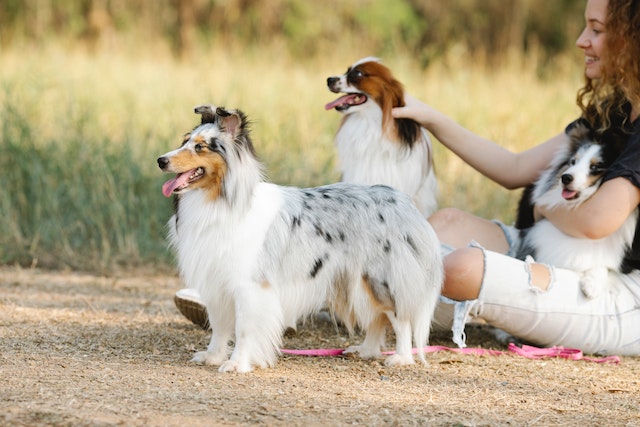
x,y
540,275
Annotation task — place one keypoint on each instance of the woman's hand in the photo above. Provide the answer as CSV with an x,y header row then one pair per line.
x,y
416,110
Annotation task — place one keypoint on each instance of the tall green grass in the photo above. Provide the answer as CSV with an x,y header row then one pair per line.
x,y
79,185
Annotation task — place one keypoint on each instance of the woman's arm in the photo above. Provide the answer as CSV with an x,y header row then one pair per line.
x,y
509,169
599,216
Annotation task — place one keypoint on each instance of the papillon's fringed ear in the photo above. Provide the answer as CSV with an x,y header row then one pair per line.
x,y
208,113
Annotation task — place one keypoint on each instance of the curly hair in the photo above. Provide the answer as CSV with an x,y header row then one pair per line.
x,y
619,84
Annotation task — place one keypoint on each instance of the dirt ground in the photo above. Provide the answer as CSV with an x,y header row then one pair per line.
x,y
83,350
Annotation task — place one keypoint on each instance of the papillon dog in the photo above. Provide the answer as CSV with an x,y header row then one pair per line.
x,y
375,148
263,256
573,177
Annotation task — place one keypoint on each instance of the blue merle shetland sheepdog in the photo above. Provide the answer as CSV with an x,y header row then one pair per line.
x,y
263,256
574,175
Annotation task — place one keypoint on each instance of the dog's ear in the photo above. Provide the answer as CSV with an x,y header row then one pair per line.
x,y
208,113
580,132
232,121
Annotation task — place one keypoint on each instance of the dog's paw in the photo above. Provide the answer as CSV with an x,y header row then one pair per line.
x,y
235,366
364,352
208,358
504,337
590,288
399,360
594,282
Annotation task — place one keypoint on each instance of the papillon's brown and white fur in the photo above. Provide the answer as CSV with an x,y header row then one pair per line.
x,y
573,177
375,148
263,256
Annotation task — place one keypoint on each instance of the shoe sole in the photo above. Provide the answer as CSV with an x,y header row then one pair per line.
x,y
193,310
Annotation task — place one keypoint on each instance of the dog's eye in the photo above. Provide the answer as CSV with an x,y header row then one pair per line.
x,y
597,168
355,75
198,148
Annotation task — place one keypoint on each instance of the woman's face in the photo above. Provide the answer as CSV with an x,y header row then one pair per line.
x,y
592,39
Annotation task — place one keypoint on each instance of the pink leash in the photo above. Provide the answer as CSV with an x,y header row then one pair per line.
x,y
527,351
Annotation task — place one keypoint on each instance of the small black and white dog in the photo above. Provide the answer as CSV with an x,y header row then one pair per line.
x,y
573,177
263,256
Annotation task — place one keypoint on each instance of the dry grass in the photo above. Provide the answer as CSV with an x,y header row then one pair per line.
x,y
100,351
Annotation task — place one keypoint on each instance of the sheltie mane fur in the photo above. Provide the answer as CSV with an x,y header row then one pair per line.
x,y
263,256
572,178
375,148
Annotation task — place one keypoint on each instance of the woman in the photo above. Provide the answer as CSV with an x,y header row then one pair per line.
x,y
535,302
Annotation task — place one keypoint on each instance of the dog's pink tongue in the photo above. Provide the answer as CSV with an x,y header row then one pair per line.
x,y
172,184
345,99
569,194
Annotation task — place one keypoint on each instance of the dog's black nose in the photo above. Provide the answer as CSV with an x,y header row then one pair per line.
x,y
163,162
566,178
332,80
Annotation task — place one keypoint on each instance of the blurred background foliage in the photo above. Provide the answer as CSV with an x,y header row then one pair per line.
x,y
427,29
92,91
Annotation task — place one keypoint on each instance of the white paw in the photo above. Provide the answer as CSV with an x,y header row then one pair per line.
x,y
234,366
364,352
399,360
208,358
590,288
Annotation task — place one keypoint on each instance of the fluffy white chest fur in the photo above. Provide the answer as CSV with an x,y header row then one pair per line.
x,y
369,157
212,231
581,254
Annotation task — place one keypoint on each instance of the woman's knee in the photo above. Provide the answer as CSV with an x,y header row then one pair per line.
x,y
458,228
540,276
464,271
450,226
445,218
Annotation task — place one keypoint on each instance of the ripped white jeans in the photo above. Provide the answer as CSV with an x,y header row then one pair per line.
x,y
558,316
